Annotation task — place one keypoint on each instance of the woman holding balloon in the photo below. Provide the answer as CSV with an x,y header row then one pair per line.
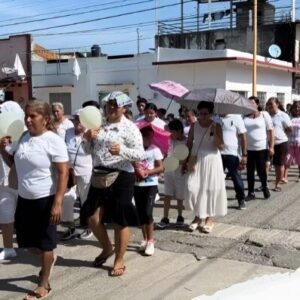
x,y
41,162
114,147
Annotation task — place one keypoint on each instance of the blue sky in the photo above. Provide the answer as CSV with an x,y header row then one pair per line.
x,y
117,40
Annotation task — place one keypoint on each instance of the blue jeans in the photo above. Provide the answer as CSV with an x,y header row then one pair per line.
x,y
231,163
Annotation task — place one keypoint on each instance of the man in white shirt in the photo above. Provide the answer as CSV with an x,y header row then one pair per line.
x,y
234,131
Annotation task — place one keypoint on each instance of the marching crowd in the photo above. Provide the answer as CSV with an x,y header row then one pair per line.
x,y
57,161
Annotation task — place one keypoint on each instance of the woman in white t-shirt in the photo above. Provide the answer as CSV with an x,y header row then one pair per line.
x,y
282,127
293,156
260,145
62,124
41,161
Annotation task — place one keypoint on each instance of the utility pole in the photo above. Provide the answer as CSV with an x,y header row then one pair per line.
x,y
138,41
182,16
138,61
254,24
293,10
209,14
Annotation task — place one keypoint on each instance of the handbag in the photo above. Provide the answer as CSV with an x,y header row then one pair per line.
x,y
103,178
192,160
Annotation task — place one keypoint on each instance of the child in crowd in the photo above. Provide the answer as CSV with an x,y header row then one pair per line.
x,y
174,181
145,189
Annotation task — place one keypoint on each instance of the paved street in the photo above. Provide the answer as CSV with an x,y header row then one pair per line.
x,y
263,239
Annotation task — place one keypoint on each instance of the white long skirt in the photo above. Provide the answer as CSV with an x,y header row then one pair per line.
x,y
205,192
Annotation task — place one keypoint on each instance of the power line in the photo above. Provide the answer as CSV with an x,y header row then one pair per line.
x,y
74,14
97,19
64,10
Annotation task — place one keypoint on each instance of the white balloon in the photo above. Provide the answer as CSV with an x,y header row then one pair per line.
x,y
181,152
90,117
171,164
11,124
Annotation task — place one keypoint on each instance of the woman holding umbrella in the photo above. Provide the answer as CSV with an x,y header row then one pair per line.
x,y
207,199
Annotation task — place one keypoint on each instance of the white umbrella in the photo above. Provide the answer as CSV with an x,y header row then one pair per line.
x,y
225,102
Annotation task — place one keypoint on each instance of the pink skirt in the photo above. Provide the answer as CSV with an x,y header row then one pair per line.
x,y
293,155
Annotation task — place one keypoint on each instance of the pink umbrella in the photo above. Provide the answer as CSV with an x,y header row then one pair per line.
x,y
160,138
170,89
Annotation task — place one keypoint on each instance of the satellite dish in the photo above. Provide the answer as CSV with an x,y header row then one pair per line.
x,y
274,51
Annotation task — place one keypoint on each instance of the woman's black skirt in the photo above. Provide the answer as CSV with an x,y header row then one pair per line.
x,y
116,202
32,222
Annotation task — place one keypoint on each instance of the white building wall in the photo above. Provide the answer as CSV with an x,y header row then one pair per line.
x,y
270,81
133,74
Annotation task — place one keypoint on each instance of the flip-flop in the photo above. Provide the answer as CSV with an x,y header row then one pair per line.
x,y
193,226
35,295
277,189
208,228
98,262
117,272
283,181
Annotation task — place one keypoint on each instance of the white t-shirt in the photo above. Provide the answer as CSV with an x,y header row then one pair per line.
x,y
33,158
232,126
63,127
281,121
83,162
257,138
152,153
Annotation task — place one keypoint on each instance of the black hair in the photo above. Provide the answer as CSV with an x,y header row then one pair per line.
x,y
141,100
152,106
147,131
208,105
162,111
176,125
257,101
90,103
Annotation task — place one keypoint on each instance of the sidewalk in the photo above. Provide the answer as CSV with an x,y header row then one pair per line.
x,y
166,275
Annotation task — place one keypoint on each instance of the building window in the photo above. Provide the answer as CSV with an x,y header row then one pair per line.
x,y
242,93
262,96
281,97
64,98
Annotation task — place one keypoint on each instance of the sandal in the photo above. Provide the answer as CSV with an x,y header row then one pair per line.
x,y
208,228
117,272
38,295
283,181
193,226
99,261
277,189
